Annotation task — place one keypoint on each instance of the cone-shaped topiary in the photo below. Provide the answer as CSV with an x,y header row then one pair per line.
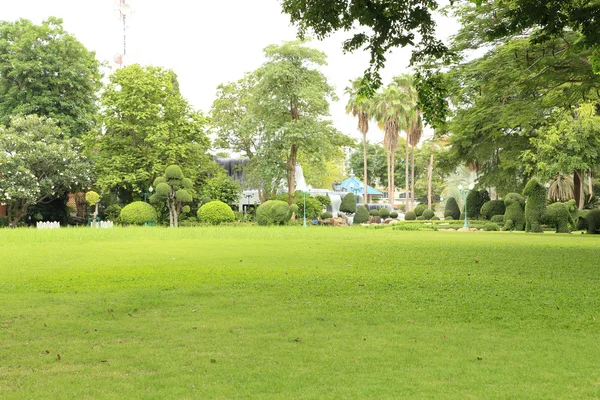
x,y
215,212
428,214
514,216
273,212
138,213
410,216
475,200
452,209
362,215
348,204
174,190
535,206
384,213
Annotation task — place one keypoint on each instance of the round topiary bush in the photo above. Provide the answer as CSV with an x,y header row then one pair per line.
x,y
420,218
348,203
593,222
452,209
448,218
419,209
138,213
498,219
362,215
428,214
273,212
410,216
491,226
215,212
393,214
491,208
435,218
374,213
173,172
384,213
326,215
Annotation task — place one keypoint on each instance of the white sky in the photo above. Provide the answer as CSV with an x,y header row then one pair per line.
x,y
205,42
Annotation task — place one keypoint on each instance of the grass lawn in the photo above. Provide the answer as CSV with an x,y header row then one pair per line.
x,y
295,313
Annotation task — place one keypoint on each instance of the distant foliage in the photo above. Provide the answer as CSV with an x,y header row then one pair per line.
x,y
452,209
535,206
475,200
362,215
514,217
428,214
273,212
138,213
215,212
348,203
222,188
491,208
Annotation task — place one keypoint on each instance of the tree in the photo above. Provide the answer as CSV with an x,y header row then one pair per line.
x,y
148,125
47,72
37,164
221,187
359,106
173,189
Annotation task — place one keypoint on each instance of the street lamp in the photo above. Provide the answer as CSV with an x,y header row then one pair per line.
x,y
356,190
305,192
464,193
248,197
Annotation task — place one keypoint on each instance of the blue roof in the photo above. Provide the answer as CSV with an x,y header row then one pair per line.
x,y
346,184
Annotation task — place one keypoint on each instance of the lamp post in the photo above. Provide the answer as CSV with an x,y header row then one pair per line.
x,y
248,196
356,190
150,189
305,192
464,193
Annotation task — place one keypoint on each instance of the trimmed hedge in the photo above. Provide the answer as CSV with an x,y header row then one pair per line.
x,y
452,209
475,200
557,215
362,215
215,212
273,212
421,218
593,222
428,214
491,226
435,218
498,219
410,216
535,207
348,203
493,207
514,216
326,215
419,209
394,214
374,213
384,213
138,213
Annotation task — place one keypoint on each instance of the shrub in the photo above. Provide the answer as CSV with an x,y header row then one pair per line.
x,y
314,208
410,216
514,213
394,214
273,212
491,226
448,218
428,214
348,203
138,213
419,209
498,219
374,213
452,209
112,212
215,212
420,218
362,215
535,207
593,221
557,215
222,187
435,218
3,222
384,213
326,215
475,200
324,200
493,207
582,224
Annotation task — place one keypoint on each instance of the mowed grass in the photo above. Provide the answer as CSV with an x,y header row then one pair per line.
x,y
294,313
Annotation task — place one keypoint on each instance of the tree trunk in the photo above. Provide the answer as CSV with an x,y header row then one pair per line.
x,y
393,183
578,189
365,165
412,179
17,209
591,185
429,180
292,175
406,207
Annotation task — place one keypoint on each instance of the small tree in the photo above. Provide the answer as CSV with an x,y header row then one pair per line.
x,y
93,198
173,189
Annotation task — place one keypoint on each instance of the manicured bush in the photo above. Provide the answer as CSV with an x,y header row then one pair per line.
x,y
448,218
326,215
419,209
348,203
362,215
582,224
374,213
410,216
112,212
420,218
491,226
475,200
498,219
535,206
593,221
557,215
324,200
3,222
215,212
452,209
384,213
394,214
138,213
434,218
514,213
314,208
273,212
491,208
428,214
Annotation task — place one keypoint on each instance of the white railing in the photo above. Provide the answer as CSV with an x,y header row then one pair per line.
x,y
102,224
47,225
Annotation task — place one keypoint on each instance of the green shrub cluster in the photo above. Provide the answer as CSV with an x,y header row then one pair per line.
x,y
374,213
394,214
435,218
410,216
491,226
448,218
419,209
112,212
498,219
452,209
362,215
593,222
138,213
348,203
475,200
3,222
384,213
428,214
514,216
582,224
215,212
273,212
491,208
326,215
535,206
314,207
420,218
557,216
324,200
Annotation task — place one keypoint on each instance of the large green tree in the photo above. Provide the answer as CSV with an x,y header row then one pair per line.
x,y
148,125
46,71
38,164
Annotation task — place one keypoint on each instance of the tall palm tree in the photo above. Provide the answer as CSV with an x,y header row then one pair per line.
x,y
359,106
415,131
389,109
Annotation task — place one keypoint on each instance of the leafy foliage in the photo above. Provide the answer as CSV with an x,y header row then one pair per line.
x,y
221,187
593,221
138,213
173,189
326,215
410,216
492,208
348,204
374,213
491,226
557,215
215,212
535,206
419,209
428,214
394,214
273,212
514,217
384,213
362,215
475,200
452,209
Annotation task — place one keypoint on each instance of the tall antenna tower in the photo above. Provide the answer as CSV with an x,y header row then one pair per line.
x,y
124,11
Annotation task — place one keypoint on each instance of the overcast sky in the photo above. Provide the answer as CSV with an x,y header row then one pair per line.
x,y
205,42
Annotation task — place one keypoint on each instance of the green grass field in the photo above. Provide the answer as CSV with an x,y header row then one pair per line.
x,y
294,313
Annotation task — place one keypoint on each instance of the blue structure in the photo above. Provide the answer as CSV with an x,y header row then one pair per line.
x,y
357,187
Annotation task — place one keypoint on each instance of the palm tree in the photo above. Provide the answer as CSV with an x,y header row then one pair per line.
x,y
561,188
359,105
389,108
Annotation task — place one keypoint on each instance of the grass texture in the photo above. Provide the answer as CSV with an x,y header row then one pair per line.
x,y
298,313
